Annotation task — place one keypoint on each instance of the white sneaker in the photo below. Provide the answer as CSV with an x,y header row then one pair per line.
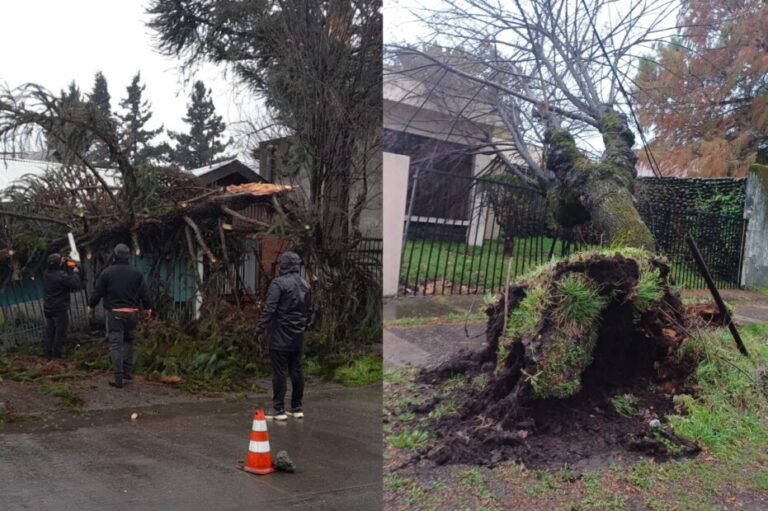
x,y
296,414
278,416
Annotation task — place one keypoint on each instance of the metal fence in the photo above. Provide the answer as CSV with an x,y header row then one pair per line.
x,y
21,313
368,253
501,228
720,238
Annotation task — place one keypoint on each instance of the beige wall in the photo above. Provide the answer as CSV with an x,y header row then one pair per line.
x,y
395,187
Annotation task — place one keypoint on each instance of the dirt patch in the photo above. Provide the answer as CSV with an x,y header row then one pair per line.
x,y
18,398
586,378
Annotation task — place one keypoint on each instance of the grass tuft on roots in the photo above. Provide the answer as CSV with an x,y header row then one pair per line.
x,y
578,301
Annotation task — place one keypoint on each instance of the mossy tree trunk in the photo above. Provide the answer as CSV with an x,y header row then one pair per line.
x,y
600,192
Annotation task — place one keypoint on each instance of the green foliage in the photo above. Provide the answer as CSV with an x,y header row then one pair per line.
x,y
579,302
525,317
363,371
202,145
397,376
625,404
413,439
727,414
561,365
312,366
67,398
480,381
135,138
220,352
474,480
726,204
441,409
648,290
451,317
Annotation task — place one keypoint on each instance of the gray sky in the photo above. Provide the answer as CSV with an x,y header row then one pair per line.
x,y
52,42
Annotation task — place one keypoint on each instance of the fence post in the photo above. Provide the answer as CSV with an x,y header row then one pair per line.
x,y
755,261
478,205
395,189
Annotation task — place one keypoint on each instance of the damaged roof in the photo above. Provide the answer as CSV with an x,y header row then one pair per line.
x,y
258,189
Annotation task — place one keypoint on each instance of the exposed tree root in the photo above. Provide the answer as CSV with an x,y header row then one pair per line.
x,y
580,333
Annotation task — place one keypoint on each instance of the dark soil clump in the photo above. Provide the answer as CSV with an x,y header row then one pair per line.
x,y
583,374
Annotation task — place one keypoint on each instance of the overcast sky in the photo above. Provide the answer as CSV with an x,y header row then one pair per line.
x,y
52,42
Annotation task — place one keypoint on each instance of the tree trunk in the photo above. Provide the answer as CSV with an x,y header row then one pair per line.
x,y
599,192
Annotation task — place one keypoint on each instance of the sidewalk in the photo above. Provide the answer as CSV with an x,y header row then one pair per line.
x,y
749,306
432,342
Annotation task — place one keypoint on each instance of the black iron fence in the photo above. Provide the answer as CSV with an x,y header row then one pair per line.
x,y
503,229
368,254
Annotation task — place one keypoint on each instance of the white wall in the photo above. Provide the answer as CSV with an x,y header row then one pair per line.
x,y
395,188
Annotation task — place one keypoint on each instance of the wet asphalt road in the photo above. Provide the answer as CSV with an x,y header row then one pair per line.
x,y
183,457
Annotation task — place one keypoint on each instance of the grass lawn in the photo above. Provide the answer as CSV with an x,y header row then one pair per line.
x,y
442,267
728,418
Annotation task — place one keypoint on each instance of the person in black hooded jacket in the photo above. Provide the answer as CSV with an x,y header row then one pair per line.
x,y
124,291
286,315
57,284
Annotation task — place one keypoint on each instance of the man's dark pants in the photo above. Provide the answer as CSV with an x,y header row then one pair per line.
x,y
286,363
120,327
55,336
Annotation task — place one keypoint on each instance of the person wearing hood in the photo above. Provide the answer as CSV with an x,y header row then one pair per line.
x,y
286,315
124,291
58,283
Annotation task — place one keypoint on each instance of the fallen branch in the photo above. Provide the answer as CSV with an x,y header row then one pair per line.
x,y
244,218
227,269
186,203
135,242
193,257
200,240
27,216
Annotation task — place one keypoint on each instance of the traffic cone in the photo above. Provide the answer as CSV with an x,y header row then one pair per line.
x,y
259,459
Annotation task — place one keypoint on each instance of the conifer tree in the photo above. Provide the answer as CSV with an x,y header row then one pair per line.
x,y
100,98
202,145
71,100
136,139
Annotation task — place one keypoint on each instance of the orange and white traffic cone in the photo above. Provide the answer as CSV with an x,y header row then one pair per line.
x,y
259,459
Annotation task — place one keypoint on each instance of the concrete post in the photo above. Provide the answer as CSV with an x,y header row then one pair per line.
x,y
754,272
478,209
395,189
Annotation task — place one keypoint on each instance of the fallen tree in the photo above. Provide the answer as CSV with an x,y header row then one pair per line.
x,y
536,86
561,343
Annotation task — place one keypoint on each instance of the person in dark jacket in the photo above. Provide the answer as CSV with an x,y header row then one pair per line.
x,y
58,282
285,317
124,291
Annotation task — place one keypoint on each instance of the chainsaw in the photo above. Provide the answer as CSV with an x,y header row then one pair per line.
x,y
73,261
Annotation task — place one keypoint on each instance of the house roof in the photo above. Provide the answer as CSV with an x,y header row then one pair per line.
x,y
233,171
211,174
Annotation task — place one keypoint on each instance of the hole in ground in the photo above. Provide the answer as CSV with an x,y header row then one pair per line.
x,y
633,364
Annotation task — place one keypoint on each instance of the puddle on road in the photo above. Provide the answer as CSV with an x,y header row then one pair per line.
x,y
68,421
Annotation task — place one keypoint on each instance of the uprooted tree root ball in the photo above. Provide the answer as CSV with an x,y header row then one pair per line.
x,y
582,358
